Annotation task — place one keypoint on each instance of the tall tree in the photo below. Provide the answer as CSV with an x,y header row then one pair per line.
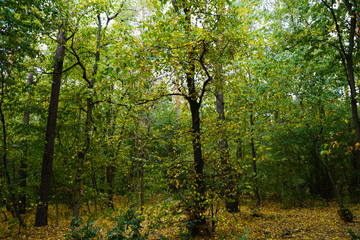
x,y
46,171
20,29
345,15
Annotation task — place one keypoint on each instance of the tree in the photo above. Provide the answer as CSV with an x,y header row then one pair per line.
x,y
345,16
42,209
186,37
20,28
24,160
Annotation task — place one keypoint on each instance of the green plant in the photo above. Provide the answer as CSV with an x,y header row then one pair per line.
x,y
184,232
128,227
82,231
244,235
353,235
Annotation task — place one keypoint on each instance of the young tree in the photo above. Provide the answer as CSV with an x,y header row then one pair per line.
x,y
24,160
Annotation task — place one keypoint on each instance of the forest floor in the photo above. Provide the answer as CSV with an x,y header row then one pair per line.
x,y
270,221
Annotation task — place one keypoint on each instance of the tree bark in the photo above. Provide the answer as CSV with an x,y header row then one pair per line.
x,y
253,162
230,191
197,214
354,111
46,171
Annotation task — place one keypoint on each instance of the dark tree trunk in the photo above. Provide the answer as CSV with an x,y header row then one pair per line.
x,y
110,176
230,191
253,162
111,166
344,212
46,171
354,111
347,56
197,210
197,213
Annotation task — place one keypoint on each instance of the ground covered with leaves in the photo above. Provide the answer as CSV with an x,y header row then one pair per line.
x,y
270,221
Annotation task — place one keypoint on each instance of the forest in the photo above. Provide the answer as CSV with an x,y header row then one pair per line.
x,y
157,119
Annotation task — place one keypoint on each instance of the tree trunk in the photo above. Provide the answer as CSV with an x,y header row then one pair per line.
x,y
197,208
349,61
230,191
88,122
354,111
346,52
12,205
110,176
253,162
42,208
23,161
111,166
197,213
344,213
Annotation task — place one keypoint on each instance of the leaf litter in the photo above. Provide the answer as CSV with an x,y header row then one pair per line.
x,y
269,221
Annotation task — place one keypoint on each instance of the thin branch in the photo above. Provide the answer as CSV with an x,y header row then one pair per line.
x,y
337,27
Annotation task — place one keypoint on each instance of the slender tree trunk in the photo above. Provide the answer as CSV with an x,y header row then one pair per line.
x,y
344,213
253,149
354,111
82,155
253,162
110,176
23,161
42,208
349,61
347,56
230,191
239,151
110,167
88,122
12,205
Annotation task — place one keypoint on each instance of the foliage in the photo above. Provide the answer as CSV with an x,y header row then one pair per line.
x,y
138,99
84,231
128,227
353,235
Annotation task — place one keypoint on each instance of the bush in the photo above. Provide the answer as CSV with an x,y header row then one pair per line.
x,y
81,231
128,227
